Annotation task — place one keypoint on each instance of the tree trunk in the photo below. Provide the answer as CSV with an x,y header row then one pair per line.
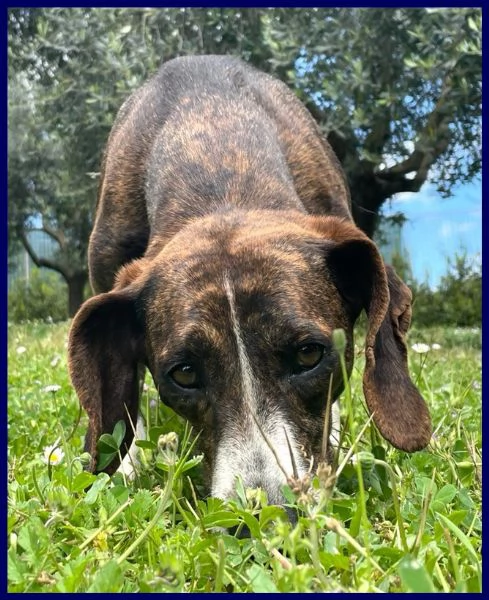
x,y
367,197
76,291
368,192
366,219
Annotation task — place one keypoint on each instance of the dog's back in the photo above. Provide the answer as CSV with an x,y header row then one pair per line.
x,y
215,130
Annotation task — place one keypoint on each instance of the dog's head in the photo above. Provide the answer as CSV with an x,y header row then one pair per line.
x,y
234,318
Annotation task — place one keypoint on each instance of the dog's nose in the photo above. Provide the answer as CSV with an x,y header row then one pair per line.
x,y
240,532
292,514
243,532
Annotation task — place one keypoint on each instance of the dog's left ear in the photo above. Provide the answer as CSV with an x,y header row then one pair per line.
x,y
106,349
360,275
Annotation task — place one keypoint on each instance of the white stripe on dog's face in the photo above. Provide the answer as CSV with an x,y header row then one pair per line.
x,y
247,379
242,449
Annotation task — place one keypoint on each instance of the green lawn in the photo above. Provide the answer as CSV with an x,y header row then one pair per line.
x,y
388,521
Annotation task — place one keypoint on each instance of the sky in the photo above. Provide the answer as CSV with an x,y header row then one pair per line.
x,y
438,227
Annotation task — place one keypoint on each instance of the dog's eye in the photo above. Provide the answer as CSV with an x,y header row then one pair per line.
x,y
308,356
185,376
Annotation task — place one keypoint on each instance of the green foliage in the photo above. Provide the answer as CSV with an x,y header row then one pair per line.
x,y
413,524
42,297
456,301
386,71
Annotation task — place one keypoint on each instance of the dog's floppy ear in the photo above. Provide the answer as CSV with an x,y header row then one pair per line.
x,y
105,354
358,271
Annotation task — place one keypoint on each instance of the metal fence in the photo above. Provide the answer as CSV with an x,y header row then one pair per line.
x,y
21,265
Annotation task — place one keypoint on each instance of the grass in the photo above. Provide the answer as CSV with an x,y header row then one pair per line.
x,y
389,521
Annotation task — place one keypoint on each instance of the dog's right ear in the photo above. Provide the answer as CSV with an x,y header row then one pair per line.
x,y
399,410
358,271
106,349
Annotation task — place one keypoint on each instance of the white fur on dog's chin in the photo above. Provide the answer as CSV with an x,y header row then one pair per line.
x,y
243,450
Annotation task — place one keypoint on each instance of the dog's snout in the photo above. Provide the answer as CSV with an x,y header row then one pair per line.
x,y
271,483
263,457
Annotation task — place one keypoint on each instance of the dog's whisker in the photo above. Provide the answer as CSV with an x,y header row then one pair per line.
x,y
292,458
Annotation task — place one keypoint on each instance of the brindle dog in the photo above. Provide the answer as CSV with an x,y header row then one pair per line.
x,y
223,256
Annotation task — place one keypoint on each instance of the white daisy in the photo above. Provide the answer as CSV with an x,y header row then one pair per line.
x,y
52,388
53,455
421,348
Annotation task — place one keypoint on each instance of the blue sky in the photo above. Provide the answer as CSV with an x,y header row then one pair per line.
x,y
438,227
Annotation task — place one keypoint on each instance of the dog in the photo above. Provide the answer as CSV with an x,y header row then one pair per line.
x,y
223,256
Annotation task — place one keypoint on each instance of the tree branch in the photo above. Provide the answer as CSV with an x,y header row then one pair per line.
x,y
397,185
40,261
56,234
434,139
394,180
